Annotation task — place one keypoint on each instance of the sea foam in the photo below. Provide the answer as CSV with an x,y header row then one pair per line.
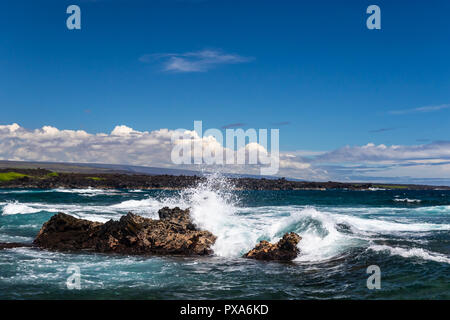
x,y
412,253
17,208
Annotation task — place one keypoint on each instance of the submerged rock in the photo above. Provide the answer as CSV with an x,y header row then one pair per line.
x,y
174,234
11,245
284,250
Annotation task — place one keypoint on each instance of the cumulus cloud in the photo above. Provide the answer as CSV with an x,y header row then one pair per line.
x,y
123,145
375,153
424,163
197,61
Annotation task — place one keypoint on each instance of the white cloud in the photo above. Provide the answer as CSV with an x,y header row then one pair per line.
x,y
425,163
124,145
376,153
421,109
198,61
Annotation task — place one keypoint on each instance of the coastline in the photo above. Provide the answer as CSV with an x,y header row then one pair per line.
x,y
16,178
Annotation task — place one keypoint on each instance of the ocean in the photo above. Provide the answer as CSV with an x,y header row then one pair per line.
x,y
405,233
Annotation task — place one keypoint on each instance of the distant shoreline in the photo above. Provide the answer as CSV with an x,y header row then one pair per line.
x,y
19,178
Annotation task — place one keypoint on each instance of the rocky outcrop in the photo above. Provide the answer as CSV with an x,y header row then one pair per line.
x,y
174,233
284,250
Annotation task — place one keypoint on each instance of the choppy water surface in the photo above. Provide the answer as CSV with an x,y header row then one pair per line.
x,y
405,233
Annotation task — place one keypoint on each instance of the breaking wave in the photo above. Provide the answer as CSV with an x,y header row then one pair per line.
x,y
411,253
327,232
407,200
18,208
89,192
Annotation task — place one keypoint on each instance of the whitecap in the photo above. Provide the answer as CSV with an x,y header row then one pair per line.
x,y
407,200
18,208
89,192
412,253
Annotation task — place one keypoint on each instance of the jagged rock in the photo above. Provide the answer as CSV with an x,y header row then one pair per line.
x,y
174,234
285,249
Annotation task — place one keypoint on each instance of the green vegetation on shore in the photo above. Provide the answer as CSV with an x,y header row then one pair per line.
x,y
390,186
96,178
53,174
12,175
8,176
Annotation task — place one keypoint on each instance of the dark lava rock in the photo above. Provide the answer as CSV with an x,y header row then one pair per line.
x,y
46,179
173,234
10,245
284,250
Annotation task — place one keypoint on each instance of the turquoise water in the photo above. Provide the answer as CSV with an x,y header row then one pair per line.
x,y
405,233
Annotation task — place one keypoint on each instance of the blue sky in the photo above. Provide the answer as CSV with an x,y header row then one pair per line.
x,y
310,68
